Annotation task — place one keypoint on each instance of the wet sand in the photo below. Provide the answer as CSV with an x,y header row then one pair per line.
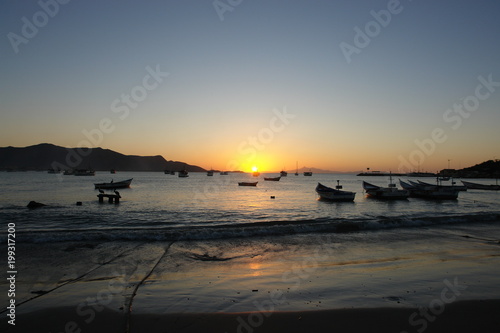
x,y
393,281
465,316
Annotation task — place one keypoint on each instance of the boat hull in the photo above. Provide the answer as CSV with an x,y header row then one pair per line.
x,y
247,183
430,192
329,194
113,185
388,193
476,186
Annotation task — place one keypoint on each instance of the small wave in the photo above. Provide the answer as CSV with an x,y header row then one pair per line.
x,y
253,229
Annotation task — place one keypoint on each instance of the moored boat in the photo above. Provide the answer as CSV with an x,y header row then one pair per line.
x,y
390,192
283,173
453,186
113,185
476,186
273,179
331,194
430,192
247,183
183,173
308,173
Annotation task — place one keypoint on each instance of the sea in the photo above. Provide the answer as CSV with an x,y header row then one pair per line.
x,y
161,207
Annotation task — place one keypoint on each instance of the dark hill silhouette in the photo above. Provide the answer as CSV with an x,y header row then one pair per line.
x,y
47,156
487,169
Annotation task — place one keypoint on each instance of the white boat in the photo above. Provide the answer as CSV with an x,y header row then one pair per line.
x,y
390,192
114,185
334,194
430,192
452,186
476,186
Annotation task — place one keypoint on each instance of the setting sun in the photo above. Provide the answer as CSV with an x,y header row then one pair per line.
x,y
254,169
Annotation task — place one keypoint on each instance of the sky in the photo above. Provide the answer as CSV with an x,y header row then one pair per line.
x,y
230,84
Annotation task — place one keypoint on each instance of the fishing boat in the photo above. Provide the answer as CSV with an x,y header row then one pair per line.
x,y
210,172
223,173
390,192
273,179
283,173
183,173
54,171
334,194
430,192
308,173
247,183
476,186
452,186
113,185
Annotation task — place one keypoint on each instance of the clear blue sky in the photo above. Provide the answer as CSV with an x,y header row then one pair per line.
x,y
235,67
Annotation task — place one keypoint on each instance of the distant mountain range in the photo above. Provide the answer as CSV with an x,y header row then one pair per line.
x,y
48,156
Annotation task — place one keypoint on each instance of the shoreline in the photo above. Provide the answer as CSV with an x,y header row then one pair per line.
x,y
377,281
461,316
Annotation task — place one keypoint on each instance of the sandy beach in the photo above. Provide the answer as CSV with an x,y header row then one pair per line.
x,y
297,283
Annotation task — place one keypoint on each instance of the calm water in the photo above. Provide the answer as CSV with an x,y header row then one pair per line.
x,y
165,207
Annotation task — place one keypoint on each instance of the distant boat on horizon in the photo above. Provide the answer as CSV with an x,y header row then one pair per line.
x,y
84,172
